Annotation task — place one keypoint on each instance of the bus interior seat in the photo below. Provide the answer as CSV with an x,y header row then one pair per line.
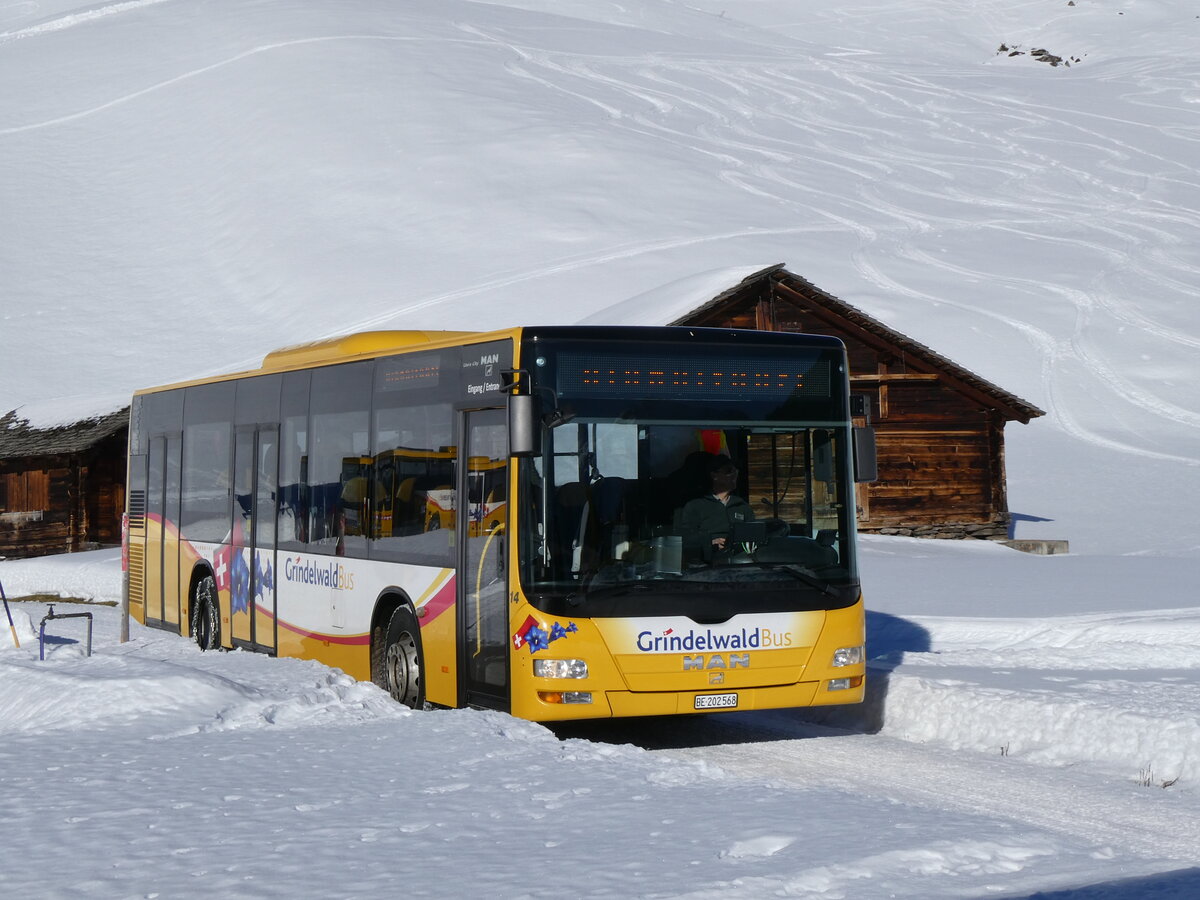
x,y
574,510
609,497
609,500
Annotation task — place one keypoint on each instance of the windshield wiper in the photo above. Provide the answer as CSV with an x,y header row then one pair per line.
x,y
804,575
613,589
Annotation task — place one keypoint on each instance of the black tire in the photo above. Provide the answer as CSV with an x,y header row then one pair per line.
x,y
400,665
206,617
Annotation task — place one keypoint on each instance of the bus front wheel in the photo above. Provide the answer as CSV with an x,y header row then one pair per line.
x,y
206,622
402,663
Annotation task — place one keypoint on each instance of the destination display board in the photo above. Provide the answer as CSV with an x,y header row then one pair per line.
x,y
693,377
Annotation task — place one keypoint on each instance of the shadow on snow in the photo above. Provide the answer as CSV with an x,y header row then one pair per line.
x,y
1181,884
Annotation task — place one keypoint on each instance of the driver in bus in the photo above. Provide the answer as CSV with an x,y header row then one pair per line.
x,y
707,521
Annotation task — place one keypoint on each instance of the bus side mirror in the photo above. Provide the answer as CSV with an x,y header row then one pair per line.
x,y
524,425
865,466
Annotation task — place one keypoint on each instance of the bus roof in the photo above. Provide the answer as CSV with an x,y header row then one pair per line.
x,y
345,348
370,344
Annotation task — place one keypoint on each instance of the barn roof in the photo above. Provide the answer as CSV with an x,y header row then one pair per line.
x,y
19,439
776,281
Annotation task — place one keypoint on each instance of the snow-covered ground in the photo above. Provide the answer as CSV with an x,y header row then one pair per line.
x,y
1033,724
187,185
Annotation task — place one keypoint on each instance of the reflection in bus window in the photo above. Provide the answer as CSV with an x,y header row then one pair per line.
x,y
293,482
293,461
413,493
340,414
206,487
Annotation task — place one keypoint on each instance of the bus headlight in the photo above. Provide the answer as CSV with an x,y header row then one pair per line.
x,y
560,668
849,656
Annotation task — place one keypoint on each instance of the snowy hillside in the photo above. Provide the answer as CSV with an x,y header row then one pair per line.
x,y
186,185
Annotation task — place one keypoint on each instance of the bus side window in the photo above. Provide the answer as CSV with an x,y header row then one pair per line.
x,y
340,417
293,461
415,479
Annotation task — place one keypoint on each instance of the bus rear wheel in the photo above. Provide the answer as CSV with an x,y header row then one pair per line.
x,y
206,622
403,666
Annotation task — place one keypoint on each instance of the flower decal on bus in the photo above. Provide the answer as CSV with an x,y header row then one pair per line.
x,y
239,596
533,636
232,570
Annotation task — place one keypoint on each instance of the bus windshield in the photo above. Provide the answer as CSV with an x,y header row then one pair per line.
x,y
701,518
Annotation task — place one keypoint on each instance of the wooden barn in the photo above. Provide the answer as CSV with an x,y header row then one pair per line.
x,y
939,428
62,489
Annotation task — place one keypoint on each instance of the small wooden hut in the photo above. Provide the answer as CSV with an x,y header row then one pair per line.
x,y
62,489
939,428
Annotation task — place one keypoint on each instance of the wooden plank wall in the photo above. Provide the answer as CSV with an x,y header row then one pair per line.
x,y
105,491
84,501
940,465
926,474
42,531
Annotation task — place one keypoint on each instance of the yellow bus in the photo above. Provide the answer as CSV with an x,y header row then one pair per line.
x,y
681,535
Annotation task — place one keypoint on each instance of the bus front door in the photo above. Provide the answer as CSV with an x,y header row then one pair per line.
x,y
252,579
481,524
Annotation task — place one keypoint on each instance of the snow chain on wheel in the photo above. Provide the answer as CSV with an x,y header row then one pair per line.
x,y
206,622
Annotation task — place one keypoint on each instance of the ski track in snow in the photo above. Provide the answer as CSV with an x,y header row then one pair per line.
x,y
80,17
1143,821
197,72
770,122
571,263
662,97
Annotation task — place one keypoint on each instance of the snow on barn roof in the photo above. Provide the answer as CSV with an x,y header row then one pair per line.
x,y
20,439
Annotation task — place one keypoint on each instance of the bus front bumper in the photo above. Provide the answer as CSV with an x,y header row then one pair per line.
x,y
619,704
